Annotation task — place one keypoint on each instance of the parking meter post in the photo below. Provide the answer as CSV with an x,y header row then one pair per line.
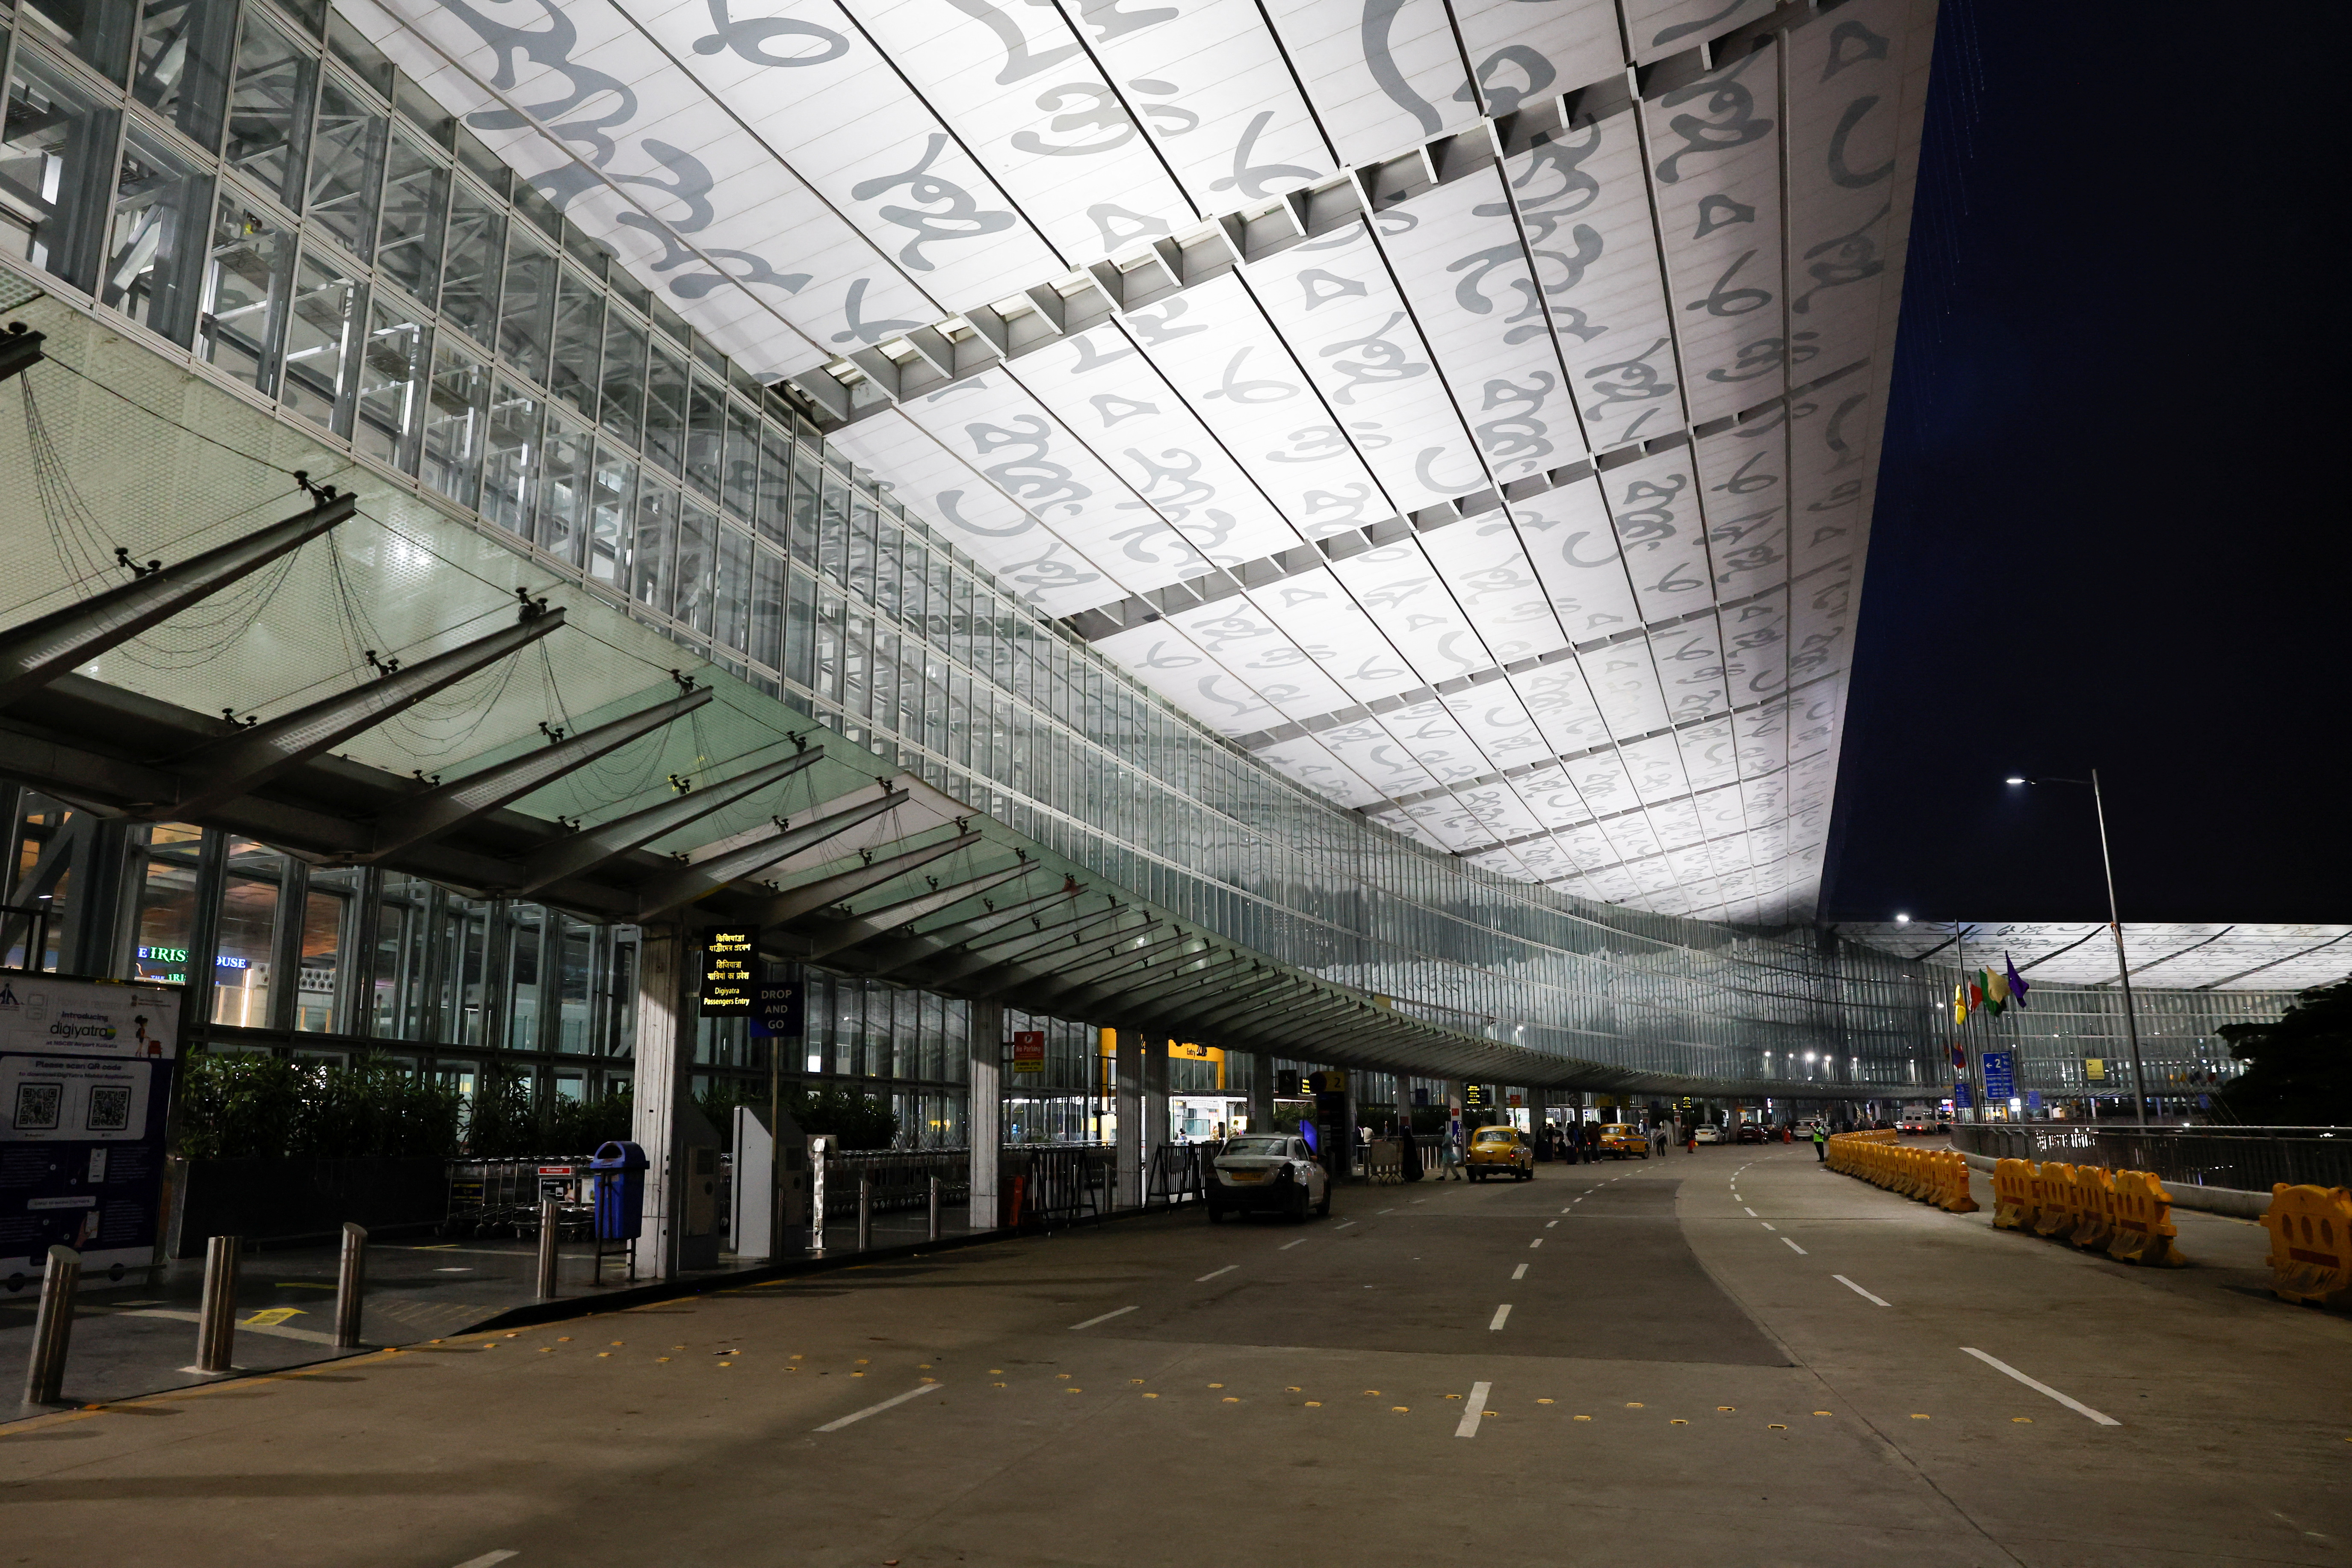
x,y
350,1284
865,1210
216,1318
548,1211
45,1373
935,1208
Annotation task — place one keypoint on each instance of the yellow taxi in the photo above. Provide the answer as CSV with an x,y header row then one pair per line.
x,y
1622,1140
1500,1152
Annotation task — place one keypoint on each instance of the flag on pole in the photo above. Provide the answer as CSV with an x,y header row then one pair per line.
x,y
1994,991
2017,986
1959,1057
1959,1005
1976,993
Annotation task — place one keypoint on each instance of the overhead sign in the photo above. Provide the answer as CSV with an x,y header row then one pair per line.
x,y
1287,1085
776,1010
1474,1097
2095,1068
1960,1095
86,1072
730,955
1330,1081
1999,1079
1029,1050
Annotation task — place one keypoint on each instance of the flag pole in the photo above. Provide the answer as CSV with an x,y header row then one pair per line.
x,y
2122,966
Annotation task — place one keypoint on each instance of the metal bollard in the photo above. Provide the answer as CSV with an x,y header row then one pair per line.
x,y
865,1210
216,1319
350,1284
935,1208
819,1147
547,1228
45,1374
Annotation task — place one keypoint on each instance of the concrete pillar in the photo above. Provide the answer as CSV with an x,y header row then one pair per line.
x,y
1154,1125
665,1051
1261,1092
984,1115
1128,1098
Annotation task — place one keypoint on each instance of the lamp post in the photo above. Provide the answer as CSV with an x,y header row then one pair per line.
x,y
2115,928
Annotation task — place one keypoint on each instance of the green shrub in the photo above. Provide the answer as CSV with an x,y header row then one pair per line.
x,y
235,1107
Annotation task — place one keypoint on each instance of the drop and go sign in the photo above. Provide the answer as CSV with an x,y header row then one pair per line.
x,y
730,955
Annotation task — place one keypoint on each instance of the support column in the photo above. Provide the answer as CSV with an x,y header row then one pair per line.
x,y
984,1114
1153,1126
1261,1092
665,1049
1129,1088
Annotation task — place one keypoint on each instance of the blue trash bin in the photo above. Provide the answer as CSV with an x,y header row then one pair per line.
x,y
619,1170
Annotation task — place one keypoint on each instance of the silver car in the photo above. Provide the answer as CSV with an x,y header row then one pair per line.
x,y
1267,1171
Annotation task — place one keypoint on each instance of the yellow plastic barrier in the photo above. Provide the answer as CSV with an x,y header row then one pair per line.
x,y
1938,1177
1952,1184
2144,1228
2311,1245
2094,1208
2057,1217
2014,1204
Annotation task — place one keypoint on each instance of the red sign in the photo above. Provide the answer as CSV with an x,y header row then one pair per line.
x,y
1028,1050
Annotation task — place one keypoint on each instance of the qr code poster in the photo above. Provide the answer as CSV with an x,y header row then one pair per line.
x,y
109,1108
37,1107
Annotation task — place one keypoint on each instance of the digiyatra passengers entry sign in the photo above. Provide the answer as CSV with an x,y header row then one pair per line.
x,y
86,1072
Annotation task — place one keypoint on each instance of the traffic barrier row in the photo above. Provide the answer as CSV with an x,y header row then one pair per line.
x,y
2311,1244
2126,1214
1936,1176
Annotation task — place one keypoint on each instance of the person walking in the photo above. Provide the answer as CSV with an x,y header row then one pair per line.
x,y
1690,1137
1450,1143
1821,1143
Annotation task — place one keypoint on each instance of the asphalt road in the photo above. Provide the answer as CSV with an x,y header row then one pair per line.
x,y
1732,1356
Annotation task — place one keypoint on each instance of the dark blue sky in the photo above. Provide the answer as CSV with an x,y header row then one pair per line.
x,y
2110,511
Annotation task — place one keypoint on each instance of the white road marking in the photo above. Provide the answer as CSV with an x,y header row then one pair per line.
x,y
1213,1273
1288,1245
1388,1211
1549,1223
1343,1225
1474,1408
1520,1272
1571,1204
1768,1225
1751,1212
1501,1312
917,1392
1799,1250
487,1560
1859,1291
2038,1387
1106,1318
1537,1242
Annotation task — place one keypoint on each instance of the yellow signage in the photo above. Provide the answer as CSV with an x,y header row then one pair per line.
x,y
2095,1068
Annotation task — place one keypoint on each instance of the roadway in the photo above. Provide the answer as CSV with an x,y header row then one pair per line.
x,y
1732,1355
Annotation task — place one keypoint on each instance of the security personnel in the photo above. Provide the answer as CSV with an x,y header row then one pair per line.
x,y
1822,1142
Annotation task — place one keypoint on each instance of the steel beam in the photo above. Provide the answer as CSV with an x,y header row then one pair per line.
x,y
1109,968
982,978
902,951
809,897
687,883
1037,986
436,811
241,762
1103,997
976,959
591,846
891,916
20,350
33,653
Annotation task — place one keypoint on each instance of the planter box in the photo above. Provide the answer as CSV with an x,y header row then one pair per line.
x,y
286,1203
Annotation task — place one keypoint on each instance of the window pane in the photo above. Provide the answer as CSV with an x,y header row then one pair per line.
x,y
57,152
454,420
772,516
739,483
165,887
415,203
768,608
706,436
185,49
270,110
155,252
800,630
327,907
528,313
248,934
649,557
803,504
611,504
732,592
509,457
350,46
563,489
246,280
346,164
665,408
579,339
97,30
322,334
832,527
394,371
624,379
469,287
697,527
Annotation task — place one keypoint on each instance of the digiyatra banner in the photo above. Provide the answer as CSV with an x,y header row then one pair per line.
x,y
86,1071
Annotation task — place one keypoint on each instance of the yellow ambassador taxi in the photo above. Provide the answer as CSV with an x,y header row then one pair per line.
x,y
1622,1141
1500,1152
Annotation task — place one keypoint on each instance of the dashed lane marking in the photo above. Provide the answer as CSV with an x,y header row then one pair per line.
x,y
487,1560
1343,1225
1859,1291
1799,1250
1769,1225
1537,1242
1213,1273
915,1392
1474,1407
1106,1318
2038,1387
1520,1272
1288,1245
1501,1312
1751,1212
1550,1223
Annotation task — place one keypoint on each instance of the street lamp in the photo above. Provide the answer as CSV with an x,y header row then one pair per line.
x,y
2116,926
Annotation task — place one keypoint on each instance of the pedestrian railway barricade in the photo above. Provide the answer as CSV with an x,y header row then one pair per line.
x,y
1938,1177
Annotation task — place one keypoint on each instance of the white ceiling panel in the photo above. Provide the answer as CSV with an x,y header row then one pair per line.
x,y
1743,475
1313,765
1378,757
1385,77
1656,28
1241,636
1624,683
1524,49
1572,544
1653,504
1691,669
1437,741
1321,615
1560,702
1710,756
1656,766
1409,600
1495,585
1169,663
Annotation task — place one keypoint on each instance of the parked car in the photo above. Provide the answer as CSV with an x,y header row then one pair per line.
x,y
1267,1171
1501,1151
1622,1140
1708,1133
1752,1133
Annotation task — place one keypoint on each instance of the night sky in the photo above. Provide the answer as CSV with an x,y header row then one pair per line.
x,y
2112,506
